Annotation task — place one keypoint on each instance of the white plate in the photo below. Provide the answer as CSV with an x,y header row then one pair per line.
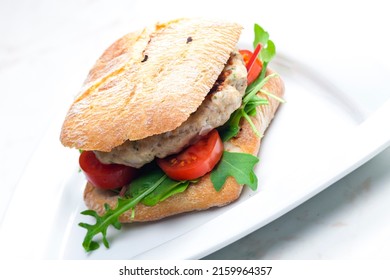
x,y
316,138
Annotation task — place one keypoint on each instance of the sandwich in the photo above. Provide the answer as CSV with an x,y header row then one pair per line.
x,y
169,120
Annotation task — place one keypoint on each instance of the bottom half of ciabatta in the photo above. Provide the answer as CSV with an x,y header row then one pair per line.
x,y
200,195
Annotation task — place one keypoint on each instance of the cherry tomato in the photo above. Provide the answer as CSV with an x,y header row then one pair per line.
x,y
196,160
255,70
105,176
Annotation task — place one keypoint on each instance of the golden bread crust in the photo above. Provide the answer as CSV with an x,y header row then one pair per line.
x,y
202,195
148,83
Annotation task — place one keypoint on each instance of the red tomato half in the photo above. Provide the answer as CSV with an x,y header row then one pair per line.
x,y
105,176
196,160
256,67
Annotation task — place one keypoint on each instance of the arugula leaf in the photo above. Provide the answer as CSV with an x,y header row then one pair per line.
x,y
255,87
248,108
238,165
266,55
281,100
165,189
111,217
261,36
231,127
150,188
253,103
250,100
268,52
148,176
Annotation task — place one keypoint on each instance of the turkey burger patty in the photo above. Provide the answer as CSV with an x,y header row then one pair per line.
x,y
223,99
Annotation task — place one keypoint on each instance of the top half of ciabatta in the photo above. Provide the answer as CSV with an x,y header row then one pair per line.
x,y
148,82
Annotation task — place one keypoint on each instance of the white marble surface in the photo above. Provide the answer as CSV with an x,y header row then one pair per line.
x,y
47,47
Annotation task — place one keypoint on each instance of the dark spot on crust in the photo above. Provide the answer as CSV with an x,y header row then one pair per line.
x,y
189,39
145,58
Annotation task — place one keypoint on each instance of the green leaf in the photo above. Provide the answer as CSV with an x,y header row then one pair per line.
x,y
238,165
250,100
232,126
281,100
166,188
257,85
111,217
151,187
254,128
266,55
150,174
253,103
261,36
268,52
179,187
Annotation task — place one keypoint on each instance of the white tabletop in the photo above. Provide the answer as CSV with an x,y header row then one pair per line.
x,y
47,48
